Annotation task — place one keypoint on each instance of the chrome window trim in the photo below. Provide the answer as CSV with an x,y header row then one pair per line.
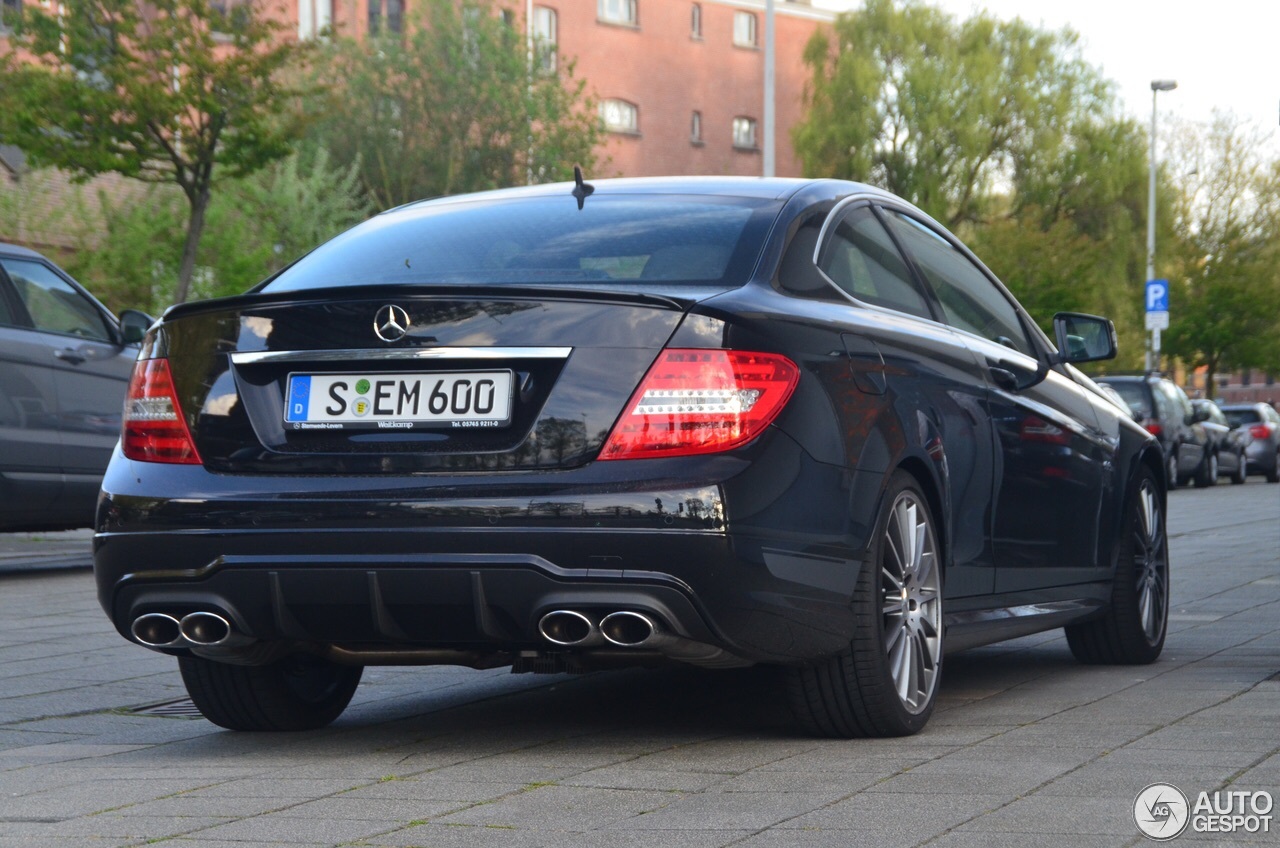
x,y
399,355
872,199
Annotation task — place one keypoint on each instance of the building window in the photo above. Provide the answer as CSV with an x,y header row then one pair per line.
x,y
617,11
744,29
744,133
1246,377
544,37
695,128
619,116
10,14
314,18
695,22
391,10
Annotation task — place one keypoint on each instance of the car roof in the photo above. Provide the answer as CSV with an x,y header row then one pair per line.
x,y
771,188
16,250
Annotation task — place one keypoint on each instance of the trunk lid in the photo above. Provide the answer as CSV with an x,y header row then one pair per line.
x,y
433,367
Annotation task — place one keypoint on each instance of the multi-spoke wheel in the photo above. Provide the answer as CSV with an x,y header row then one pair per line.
x,y
885,683
1132,630
911,602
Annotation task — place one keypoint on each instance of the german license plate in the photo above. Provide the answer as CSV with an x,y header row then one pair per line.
x,y
399,401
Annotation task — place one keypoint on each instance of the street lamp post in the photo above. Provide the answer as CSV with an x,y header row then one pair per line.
x,y
1153,349
770,151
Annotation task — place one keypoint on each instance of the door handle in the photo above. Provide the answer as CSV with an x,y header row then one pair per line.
x,y
70,355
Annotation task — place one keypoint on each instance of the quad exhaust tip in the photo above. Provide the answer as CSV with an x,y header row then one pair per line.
x,y
628,629
567,628
157,630
205,629
201,629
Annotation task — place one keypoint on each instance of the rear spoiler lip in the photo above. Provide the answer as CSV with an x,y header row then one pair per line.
x,y
680,298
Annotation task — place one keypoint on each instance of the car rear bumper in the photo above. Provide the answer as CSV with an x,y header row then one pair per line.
x,y
1262,456
733,555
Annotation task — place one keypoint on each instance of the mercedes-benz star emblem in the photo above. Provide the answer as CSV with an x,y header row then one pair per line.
x,y
391,323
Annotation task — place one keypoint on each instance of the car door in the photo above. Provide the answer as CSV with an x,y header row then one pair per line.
x,y
90,369
1194,439
30,450
1051,456
897,348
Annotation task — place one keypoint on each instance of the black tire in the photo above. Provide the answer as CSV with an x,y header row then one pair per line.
x,y
1273,476
1171,469
1242,470
855,693
1207,473
1132,631
299,692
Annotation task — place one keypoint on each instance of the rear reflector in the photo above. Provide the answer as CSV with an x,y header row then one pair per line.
x,y
1260,431
702,401
1153,427
154,430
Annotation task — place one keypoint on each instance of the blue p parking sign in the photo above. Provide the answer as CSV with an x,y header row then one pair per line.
x,y
1157,295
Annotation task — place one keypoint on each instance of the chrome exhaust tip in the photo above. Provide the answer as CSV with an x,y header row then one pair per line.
x,y
566,628
157,630
205,629
628,629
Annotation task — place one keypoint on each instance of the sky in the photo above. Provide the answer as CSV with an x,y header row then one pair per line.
x,y
1224,54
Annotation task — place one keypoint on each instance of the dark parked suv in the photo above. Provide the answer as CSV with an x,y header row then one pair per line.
x,y
1163,408
65,363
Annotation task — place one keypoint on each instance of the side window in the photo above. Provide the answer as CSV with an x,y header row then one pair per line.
x,y
969,299
860,258
53,304
1180,399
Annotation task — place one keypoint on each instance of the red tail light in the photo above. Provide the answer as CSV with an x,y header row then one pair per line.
x,y
1260,431
702,401
1153,426
154,430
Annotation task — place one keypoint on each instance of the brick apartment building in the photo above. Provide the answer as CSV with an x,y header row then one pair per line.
x,y
680,84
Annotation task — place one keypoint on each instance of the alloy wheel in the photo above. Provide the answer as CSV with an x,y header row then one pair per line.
x,y
911,603
1151,562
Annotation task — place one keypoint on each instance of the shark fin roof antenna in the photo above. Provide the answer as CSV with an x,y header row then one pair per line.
x,y
581,190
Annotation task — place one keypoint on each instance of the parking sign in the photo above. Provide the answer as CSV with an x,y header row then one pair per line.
x,y
1157,295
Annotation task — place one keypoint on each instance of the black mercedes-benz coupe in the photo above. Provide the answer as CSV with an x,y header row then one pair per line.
x,y
721,422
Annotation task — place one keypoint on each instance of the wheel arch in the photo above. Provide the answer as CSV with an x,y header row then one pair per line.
x,y
926,478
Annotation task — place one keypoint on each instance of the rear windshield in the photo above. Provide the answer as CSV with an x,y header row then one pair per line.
x,y
545,240
1237,417
1135,395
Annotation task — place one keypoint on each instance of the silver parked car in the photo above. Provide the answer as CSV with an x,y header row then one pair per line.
x,y
1263,424
65,362
1227,444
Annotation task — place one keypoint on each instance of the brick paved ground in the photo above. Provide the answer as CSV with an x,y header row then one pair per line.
x,y
1026,748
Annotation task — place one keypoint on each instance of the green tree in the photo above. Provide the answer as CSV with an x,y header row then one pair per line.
x,y
255,225
939,112
451,106
1001,131
168,91
1225,296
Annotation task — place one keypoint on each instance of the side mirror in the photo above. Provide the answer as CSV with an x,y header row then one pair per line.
x,y
1084,338
1197,416
134,325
